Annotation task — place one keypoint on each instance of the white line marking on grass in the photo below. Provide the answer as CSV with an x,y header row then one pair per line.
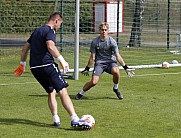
x,y
6,84
142,75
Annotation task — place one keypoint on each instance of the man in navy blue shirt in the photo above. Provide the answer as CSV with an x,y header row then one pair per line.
x,y
42,53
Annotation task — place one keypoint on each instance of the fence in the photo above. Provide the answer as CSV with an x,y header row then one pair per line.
x,y
150,25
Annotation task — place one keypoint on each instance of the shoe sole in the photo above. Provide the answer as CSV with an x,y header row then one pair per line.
x,y
81,126
78,97
56,124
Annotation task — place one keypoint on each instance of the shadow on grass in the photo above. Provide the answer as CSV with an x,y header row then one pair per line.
x,y
11,121
72,97
38,95
25,74
94,98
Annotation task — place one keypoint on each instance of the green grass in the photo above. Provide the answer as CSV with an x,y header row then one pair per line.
x,y
151,106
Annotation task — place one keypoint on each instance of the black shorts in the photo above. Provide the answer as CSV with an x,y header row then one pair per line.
x,y
50,78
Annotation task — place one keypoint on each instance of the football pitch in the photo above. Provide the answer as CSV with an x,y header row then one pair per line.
x,y
151,106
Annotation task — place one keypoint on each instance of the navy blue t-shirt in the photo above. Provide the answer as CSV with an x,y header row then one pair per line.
x,y
39,54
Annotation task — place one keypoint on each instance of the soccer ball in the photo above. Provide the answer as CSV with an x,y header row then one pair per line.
x,y
89,120
174,62
165,65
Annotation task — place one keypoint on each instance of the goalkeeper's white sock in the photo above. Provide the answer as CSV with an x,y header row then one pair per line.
x,y
74,117
115,86
82,92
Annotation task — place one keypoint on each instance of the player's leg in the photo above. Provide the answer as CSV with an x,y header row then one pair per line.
x,y
116,77
52,103
41,76
87,86
59,84
114,70
92,83
98,70
67,103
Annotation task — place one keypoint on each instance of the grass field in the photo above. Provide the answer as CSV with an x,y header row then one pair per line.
x,y
151,106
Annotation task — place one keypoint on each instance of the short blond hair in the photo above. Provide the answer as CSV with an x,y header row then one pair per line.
x,y
103,24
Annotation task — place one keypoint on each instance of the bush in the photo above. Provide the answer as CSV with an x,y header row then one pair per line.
x,y
24,16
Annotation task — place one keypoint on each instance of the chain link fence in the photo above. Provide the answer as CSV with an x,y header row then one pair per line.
x,y
147,24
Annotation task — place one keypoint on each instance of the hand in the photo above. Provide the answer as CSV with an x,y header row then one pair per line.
x,y
86,71
129,71
21,68
63,63
65,66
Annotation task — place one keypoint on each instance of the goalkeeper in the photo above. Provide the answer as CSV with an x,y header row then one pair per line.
x,y
42,53
105,54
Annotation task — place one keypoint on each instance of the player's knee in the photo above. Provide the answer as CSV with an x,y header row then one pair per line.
x,y
63,92
115,72
93,83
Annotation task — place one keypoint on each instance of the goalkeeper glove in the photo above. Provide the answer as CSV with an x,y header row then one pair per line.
x,y
86,71
21,68
129,71
63,63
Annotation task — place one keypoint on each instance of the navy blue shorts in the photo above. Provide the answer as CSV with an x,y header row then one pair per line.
x,y
50,78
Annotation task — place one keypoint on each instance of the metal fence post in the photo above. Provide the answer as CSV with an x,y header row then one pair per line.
x,y
168,26
118,22
76,50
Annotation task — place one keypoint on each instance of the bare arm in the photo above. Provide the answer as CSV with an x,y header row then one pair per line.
x,y
21,68
129,71
52,48
89,64
91,60
25,50
55,53
120,59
